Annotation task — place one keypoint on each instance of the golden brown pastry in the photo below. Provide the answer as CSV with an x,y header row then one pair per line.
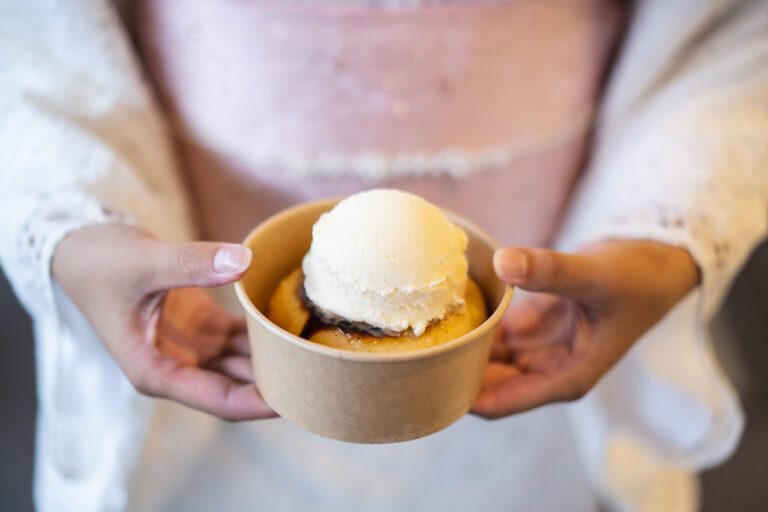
x,y
287,309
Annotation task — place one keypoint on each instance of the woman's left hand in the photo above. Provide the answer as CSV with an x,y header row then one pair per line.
x,y
586,311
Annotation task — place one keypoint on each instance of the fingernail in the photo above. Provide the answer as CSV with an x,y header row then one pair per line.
x,y
510,264
231,259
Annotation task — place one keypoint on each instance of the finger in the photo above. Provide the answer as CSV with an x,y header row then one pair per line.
x,y
236,367
527,391
169,265
497,372
195,313
192,324
527,315
516,394
545,361
499,352
239,325
556,326
542,270
238,344
498,348
521,318
215,394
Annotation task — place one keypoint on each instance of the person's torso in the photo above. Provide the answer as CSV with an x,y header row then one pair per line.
x,y
483,108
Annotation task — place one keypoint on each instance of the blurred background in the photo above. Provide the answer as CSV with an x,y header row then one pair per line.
x,y
741,340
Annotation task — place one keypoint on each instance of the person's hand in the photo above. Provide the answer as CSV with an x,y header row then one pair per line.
x,y
587,311
169,338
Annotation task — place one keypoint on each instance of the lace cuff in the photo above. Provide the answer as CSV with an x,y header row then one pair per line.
x,y
694,179
30,248
60,177
81,141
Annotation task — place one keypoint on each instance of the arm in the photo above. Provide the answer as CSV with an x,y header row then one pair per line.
x,y
88,186
680,167
81,141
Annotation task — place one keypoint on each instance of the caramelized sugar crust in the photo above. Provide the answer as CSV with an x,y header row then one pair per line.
x,y
288,311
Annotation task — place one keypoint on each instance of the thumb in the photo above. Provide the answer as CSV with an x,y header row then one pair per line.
x,y
542,270
176,265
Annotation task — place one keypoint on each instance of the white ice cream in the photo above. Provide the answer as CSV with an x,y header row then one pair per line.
x,y
387,258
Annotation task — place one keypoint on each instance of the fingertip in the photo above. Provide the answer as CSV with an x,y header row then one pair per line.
x,y
247,404
248,257
484,406
232,259
177,265
216,394
510,264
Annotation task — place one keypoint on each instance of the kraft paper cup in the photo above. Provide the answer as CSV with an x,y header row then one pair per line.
x,y
353,396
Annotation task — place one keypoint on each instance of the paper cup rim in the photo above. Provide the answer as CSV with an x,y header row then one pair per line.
x,y
372,357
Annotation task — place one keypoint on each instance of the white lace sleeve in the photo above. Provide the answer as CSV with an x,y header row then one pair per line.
x,y
80,139
681,157
685,161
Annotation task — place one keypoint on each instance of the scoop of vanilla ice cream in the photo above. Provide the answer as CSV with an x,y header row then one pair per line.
x,y
387,258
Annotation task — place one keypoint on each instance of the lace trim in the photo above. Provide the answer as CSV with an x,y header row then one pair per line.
x,y
37,239
456,162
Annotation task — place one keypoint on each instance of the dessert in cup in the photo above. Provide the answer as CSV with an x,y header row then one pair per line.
x,y
370,319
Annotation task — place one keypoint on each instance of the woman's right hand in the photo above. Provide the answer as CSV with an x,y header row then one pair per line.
x,y
171,340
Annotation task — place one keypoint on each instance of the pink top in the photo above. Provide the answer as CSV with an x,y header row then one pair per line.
x,y
483,108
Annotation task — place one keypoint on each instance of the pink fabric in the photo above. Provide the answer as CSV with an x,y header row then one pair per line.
x,y
250,83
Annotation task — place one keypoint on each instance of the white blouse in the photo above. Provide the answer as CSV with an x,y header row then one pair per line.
x,y
680,157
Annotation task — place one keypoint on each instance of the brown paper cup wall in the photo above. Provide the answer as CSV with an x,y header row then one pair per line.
x,y
354,396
